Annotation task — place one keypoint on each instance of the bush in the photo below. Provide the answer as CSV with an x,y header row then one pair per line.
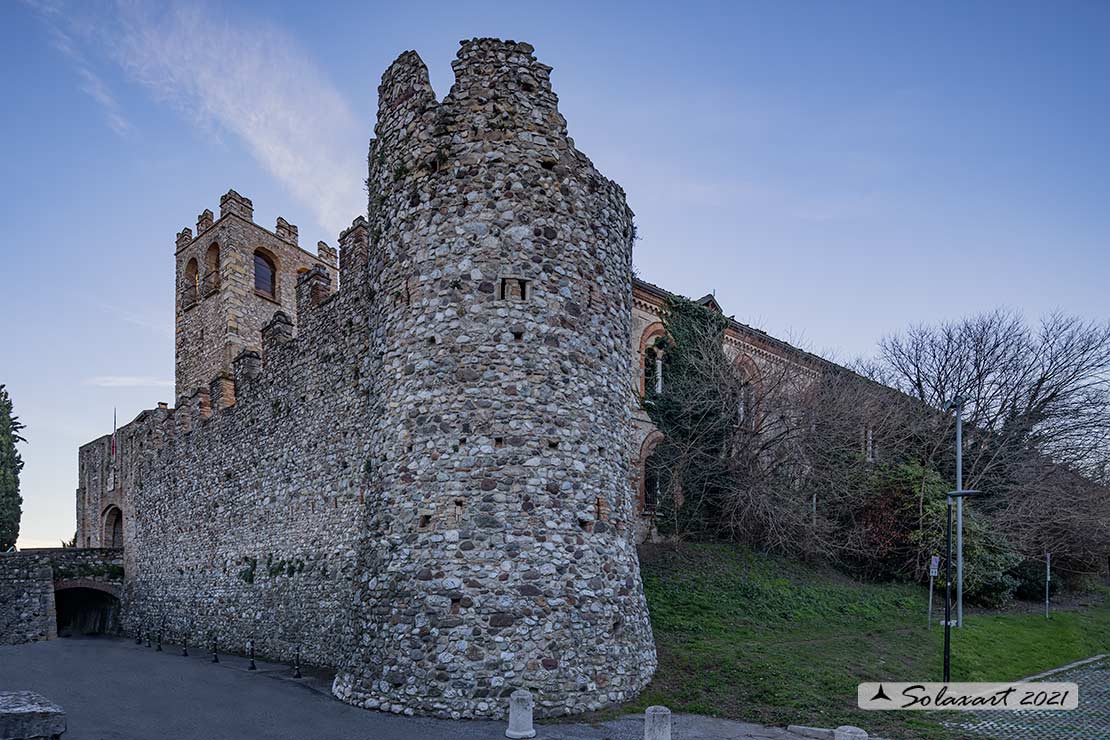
x,y
1030,581
987,579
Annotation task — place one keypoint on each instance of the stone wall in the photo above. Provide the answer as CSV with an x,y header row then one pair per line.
x,y
26,601
500,552
28,579
423,479
246,521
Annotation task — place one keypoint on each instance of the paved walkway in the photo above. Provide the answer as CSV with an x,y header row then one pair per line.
x,y
113,689
1091,721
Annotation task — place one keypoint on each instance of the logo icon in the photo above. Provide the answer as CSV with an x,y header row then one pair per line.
x,y
880,694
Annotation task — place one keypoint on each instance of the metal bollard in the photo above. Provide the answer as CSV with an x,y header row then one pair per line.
x,y
139,636
520,715
657,723
158,649
250,650
215,655
185,646
297,663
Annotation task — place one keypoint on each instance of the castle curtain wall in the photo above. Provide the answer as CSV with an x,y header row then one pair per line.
x,y
247,519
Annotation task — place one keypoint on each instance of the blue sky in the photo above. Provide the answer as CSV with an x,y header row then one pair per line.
x,y
835,171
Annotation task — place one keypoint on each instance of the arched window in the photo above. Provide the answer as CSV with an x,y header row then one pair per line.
x,y
747,396
211,270
651,358
265,275
653,369
113,528
652,490
191,289
652,475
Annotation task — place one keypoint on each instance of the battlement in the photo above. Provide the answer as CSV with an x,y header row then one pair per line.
x,y
286,231
232,276
233,203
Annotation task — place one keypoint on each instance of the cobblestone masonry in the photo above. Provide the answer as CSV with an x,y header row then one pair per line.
x,y
422,478
499,554
26,601
427,478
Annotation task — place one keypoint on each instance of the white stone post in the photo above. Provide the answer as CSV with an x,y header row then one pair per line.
x,y
520,715
657,723
658,371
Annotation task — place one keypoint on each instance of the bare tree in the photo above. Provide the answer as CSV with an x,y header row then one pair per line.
x,y
1045,389
1037,411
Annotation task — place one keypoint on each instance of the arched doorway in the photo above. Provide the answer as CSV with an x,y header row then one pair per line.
x,y
113,528
650,474
86,608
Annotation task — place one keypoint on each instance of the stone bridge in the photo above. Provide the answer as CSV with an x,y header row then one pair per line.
x,y
47,592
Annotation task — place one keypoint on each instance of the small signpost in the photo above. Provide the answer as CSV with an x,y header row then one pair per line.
x,y
1047,580
934,568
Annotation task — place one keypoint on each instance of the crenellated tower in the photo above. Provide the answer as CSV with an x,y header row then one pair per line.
x,y
232,276
498,549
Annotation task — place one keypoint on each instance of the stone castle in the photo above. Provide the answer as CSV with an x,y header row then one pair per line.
x,y
419,460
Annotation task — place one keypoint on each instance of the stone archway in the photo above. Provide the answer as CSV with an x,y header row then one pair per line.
x,y
112,534
85,607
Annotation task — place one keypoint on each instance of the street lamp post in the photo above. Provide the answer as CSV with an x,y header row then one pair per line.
x,y
957,404
958,495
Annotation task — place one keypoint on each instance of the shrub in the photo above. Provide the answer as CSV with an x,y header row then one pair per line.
x,y
1029,575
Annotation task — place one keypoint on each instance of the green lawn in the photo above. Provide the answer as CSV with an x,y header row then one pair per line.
x,y
769,640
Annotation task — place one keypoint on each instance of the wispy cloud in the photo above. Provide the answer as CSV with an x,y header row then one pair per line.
x,y
127,381
261,86
137,318
53,14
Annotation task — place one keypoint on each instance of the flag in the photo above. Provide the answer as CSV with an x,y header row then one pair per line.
x,y
113,432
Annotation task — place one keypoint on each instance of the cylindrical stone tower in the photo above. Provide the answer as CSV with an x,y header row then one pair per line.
x,y
498,550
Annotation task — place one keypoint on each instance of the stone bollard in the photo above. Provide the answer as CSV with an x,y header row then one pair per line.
x,y
657,723
847,732
520,715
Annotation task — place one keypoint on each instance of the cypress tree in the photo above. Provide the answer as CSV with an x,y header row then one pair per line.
x,y
10,465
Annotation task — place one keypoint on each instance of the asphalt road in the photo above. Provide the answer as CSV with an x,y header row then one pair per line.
x,y
112,689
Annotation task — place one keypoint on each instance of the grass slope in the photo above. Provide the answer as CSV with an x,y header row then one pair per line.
x,y
769,640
